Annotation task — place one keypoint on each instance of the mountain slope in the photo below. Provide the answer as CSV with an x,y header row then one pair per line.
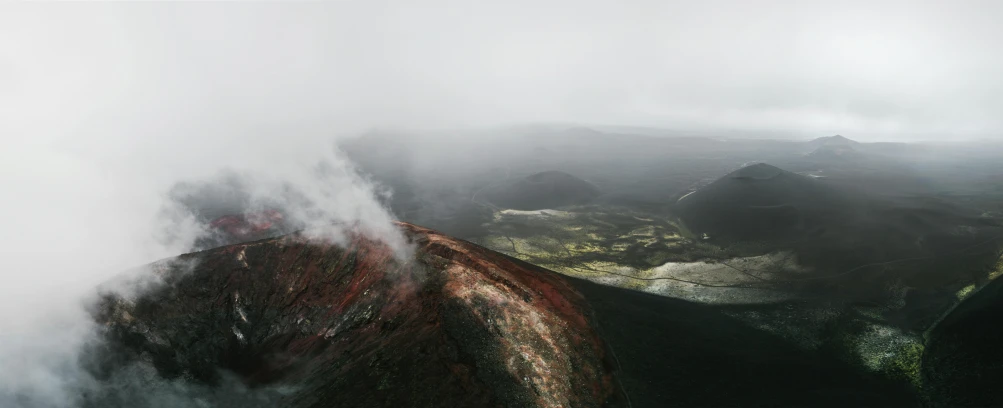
x,y
756,202
963,362
453,325
837,140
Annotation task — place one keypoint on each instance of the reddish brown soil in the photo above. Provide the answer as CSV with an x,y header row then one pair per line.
x,y
453,325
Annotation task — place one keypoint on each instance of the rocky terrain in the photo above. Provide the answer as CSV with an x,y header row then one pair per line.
x,y
452,324
839,274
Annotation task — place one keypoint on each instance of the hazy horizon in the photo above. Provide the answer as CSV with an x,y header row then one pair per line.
x,y
886,69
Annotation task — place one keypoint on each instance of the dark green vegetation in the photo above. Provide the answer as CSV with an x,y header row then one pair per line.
x,y
696,355
836,258
963,363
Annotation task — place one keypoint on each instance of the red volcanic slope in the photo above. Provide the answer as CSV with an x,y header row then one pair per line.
x,y
456,325
245,226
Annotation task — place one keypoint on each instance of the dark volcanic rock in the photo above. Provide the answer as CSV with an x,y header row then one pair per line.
x,y
963,361
549,189
676,353
454,325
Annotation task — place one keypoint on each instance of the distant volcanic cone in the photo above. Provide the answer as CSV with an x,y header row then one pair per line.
x,y
455,325
549,189
837,140
836,226
755,202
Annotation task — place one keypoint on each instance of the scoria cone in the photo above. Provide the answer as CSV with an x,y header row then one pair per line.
x,y
455,325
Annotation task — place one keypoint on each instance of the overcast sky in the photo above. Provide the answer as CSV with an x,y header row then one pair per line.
x,y
875,67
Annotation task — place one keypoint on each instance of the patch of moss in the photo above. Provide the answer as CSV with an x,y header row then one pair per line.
x,y
965,291
876,348
645,231
906,363
997,269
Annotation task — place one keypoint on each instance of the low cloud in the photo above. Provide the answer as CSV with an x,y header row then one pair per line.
x,y
327,198
45,331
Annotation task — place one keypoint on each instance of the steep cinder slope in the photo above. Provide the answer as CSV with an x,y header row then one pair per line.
x,y
963,361
676,353
453,325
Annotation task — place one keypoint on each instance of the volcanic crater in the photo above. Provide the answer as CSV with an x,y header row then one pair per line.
x,y
452,324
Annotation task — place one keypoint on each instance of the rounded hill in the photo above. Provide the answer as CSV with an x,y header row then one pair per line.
x,y
549,189
837,140
756,201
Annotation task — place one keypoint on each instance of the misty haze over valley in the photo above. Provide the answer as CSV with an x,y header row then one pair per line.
x,y
517,204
